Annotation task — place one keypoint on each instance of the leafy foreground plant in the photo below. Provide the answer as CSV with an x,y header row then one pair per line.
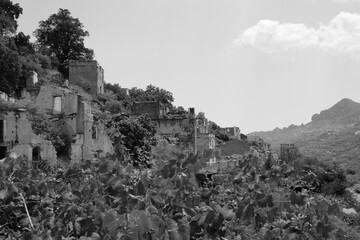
x,y
106,200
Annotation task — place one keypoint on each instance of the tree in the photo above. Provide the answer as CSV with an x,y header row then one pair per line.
x,y
201,115
152,93
9,13
63,36
10,74
132,136
17,55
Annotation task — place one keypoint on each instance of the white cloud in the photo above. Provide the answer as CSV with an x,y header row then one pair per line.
x,y
340,35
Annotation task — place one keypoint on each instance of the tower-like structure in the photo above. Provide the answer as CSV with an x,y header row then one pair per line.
x,y
87,71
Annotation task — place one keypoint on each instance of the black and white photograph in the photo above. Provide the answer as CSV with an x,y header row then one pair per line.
x,y
180,119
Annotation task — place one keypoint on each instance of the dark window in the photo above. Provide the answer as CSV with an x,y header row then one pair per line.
x,y
94,132
2,132
3,152
36,154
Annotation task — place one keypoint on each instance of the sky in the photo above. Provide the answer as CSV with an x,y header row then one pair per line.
x,y
255,64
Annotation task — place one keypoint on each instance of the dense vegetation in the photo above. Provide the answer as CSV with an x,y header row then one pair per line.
x,y
60,38
331,136
107,199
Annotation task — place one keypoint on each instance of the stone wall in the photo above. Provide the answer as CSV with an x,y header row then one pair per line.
x,y
78,121
234,132
45,98
205,142
153,109
87,70
102,143
170,126
20,137
232,147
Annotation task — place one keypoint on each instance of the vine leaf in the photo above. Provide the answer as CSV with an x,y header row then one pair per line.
x,y
334,209
113,221
339,235
184,231
297,199
323,229
322,208
227,213
210,217
271,214
249,212
3,194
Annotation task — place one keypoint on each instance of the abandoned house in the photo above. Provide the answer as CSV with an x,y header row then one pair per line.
x,y
62,104
87,72
233,132
171,122
167,122
16,135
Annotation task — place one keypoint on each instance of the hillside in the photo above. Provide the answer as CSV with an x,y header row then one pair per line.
x,y
332,135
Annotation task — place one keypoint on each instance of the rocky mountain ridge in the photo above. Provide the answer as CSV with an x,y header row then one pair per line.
x,y
332,135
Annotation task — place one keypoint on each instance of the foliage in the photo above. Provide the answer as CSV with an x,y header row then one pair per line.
x,y
9,13
316,176
10,74
63,36
221,135
6,106
18,57
290,155
111,103
132,136
213,126
53,131
152,93
114,107
108,200
120,93
201,115
83,83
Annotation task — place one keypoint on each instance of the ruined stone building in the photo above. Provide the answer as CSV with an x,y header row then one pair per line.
x,y
62,104
170,122
16,135
181,123
88,71
88,140
233,132
167,122
205,141
234,147
285,148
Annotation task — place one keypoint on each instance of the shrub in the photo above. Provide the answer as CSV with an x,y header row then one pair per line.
x,y
55,132
83,83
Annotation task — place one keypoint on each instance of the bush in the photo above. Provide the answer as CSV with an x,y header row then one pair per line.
x,y
320,177
83,83
55,132
132,137
222,136
114,107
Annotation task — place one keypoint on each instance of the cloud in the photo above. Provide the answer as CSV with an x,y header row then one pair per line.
x,y
340,35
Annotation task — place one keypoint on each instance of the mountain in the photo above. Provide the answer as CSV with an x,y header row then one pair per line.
x,y
344,112
332,135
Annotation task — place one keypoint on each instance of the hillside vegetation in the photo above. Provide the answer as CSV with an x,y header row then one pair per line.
x,y
332,135
106,199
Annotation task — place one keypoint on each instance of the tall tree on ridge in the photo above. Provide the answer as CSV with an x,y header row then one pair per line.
x,y
63,36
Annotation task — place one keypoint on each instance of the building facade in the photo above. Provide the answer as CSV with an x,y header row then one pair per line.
x,y
87,71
